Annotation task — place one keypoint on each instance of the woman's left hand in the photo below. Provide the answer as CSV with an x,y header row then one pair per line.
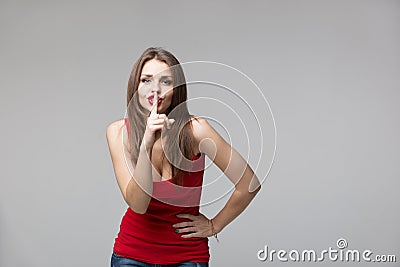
x,y
199,226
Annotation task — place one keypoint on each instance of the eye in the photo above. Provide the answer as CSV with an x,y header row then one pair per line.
x,y
167,81
144,80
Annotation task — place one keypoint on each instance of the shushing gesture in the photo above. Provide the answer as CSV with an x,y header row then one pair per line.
x,y
155,122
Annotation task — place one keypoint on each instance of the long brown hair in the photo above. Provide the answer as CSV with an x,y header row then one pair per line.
x,y
180,136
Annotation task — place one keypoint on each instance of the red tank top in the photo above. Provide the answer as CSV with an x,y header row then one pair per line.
x,y
150,237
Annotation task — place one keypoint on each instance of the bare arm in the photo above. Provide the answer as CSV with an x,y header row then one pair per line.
x,y
136,189
235,168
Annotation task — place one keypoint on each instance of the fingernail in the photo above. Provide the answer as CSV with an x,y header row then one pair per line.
x,y
176,231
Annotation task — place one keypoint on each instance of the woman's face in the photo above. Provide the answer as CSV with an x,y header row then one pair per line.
x,y
155,76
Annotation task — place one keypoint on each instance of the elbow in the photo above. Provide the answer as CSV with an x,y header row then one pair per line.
x,y
140,210
254,191
138,206
254,187
249,192
249,189
137,200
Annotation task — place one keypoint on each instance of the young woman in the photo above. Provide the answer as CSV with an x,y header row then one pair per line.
x,y
158,166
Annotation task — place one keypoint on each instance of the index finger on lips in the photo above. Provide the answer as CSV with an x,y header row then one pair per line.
x,y
153,112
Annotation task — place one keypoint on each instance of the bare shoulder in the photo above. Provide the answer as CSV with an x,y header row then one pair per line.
x,y
201,128
210,142
114,128
197,123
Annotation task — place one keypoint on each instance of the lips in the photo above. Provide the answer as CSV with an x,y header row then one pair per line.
x,y
151,98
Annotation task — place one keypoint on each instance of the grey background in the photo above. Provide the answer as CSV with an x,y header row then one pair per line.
x,y
329,69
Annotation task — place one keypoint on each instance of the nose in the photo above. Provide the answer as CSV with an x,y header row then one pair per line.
x,y
156,88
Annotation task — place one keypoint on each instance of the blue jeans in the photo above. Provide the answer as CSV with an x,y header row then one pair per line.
x,y
119,261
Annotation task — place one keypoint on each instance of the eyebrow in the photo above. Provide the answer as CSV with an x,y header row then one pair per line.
x,y
151,75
